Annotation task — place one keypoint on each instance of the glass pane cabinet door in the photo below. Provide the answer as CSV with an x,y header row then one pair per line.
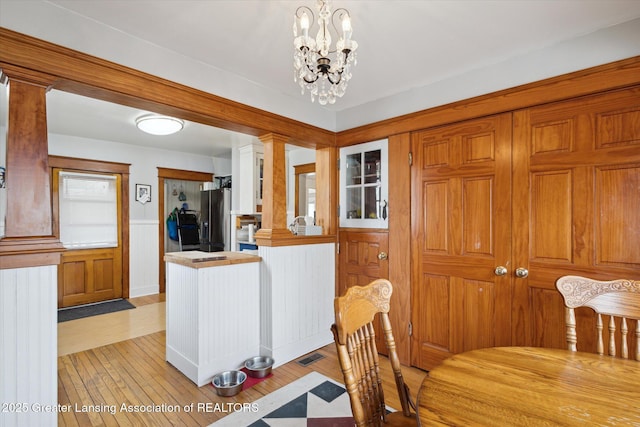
x,y
363,185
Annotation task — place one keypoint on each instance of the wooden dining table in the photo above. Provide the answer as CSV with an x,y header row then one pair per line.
x,y
527,386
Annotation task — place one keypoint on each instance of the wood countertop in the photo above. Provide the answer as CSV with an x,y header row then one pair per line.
x,y
199,259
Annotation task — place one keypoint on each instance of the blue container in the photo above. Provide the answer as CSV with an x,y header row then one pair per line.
x,y
250,246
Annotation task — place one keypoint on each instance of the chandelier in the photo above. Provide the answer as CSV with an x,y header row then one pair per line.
x,y
317,68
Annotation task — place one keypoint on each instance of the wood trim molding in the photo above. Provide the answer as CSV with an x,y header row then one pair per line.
x,y
86,75
293,240
87,164
306,168
28,76
185,175
26,260
400,242
612,76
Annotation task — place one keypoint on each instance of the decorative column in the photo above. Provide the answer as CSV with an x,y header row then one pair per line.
x,y
29,258
274,190
29,226
327,189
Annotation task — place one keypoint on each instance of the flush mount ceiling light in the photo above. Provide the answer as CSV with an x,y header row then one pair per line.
x,y
159,125
317,68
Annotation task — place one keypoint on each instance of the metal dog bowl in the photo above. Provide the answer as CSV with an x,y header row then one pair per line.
x,y
259,366
229,383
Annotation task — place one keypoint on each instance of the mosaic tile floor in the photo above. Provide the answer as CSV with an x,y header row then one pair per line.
x,y
311,401
312,409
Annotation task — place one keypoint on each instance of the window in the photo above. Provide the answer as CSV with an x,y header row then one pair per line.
x,y
88,210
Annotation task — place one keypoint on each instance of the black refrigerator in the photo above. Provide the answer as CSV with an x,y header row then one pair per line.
x,y
215,215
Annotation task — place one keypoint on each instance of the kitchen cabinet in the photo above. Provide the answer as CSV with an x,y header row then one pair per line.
x,y
206,331
363,185
251,177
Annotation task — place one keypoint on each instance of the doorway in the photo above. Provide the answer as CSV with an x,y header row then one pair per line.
x,y
99,273
170,176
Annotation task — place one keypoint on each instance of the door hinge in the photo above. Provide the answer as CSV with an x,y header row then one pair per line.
x,y
338,211
338,164
338,248
410,329
410,158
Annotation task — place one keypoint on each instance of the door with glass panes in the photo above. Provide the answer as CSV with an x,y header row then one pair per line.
x,y
363,185
87,208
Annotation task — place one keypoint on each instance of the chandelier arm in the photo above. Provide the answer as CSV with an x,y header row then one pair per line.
x,y
342,12
309,11
338,73
311,81
313,71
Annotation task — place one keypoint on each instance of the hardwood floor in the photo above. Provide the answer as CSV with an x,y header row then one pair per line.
x,y
94,383
91,332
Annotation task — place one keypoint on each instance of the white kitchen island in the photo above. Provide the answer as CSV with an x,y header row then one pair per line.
x,y
212,311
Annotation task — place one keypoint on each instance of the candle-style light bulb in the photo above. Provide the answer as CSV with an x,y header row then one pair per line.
x,y
346,27
304,24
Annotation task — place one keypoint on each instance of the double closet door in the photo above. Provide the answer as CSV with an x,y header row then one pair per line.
x,y
505,205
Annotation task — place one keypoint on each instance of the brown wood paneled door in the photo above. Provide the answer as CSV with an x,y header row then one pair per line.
x,y
576,205
461,226
89,274
363,257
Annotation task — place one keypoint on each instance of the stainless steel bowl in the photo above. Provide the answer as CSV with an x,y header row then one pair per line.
x,y
259,366
229,383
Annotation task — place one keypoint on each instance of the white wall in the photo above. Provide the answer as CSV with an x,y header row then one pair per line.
x,y
143,225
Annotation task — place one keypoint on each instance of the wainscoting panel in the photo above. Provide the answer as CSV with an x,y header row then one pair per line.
x,y
143,262
297,289
213,317
28,346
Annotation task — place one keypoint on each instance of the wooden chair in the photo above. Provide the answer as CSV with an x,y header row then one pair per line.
x,y
616,298
355,341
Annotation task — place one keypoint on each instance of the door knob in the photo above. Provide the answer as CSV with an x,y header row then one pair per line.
x,y
382,255
500,270
522,272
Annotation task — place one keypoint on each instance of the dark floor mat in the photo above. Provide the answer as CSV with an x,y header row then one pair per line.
x,y
93,310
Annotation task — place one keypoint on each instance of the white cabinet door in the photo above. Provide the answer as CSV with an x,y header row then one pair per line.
x,y
251,175
363,185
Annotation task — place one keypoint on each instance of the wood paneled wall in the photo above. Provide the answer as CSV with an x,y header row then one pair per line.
x,y
616,75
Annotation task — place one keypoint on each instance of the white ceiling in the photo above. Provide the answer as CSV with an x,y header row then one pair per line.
x,y
412,55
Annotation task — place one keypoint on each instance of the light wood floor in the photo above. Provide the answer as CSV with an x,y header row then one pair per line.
x,y
97,380
91,332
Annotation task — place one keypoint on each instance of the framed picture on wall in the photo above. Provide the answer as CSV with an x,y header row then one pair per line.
x,y
143,193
